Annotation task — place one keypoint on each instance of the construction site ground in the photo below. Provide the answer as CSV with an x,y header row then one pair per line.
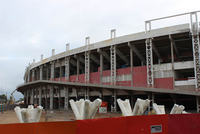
x,y
8,117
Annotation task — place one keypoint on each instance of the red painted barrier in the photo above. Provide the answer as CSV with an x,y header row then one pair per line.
x,y
184,124
152,124
166,83
140,76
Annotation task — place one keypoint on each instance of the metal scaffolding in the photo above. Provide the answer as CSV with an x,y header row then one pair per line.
x,y
113,59
87,60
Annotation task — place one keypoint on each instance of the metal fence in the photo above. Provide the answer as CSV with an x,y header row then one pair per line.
x,y
6,107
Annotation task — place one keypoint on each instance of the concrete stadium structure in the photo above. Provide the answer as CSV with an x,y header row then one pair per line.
x,y
161,64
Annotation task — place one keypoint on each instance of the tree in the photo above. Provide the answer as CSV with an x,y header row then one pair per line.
x,y
3,98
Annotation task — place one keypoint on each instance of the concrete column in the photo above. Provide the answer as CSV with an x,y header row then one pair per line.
x,y
67,69
60,73
28,79
131,63
197,104
31,97
46,103
41,69
59,99
66,93
27,95
87,93
172,56
51,97
40,96
114,98
151,98
52,70
33,75
101,68
78,68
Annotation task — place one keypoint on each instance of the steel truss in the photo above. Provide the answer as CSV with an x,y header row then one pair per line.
x,y
87,60
149,62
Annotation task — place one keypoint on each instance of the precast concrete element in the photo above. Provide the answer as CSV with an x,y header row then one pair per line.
x,y
125,107
85,109
159,109
177,109
28,115
139,108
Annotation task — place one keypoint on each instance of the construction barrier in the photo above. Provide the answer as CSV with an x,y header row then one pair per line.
x,y
158,124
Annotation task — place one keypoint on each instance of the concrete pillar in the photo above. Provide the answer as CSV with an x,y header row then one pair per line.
x,y
31,97
60,78
47,72
101,68
131,63
59,99
172,56
114,98
41,69
78,68
28,79
151,98
66,93
27,96
33,75
87,93
51,97
52,70
67,59
46,103
197,104
40,96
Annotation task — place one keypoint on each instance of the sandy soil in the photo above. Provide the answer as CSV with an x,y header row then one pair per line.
x,y
8,117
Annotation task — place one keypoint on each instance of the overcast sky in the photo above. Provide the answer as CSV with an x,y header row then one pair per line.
x,y
29,28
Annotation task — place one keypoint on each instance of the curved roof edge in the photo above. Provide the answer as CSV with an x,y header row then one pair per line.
x,y
118,40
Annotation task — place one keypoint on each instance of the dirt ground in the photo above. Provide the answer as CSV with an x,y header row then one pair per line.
x,y
8,117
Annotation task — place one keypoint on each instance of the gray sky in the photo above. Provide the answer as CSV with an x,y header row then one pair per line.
x,y
29,28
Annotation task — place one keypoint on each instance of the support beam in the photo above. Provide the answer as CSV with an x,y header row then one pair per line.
x,y
33,74
40,96
78,68
172,57
131,64
67,69
51,95
156,52
66,103
101,68
105,55
87,90
151,97
197,104
136,51
114,101
32,97
59,99
41,69
52,69
122,56
47,72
